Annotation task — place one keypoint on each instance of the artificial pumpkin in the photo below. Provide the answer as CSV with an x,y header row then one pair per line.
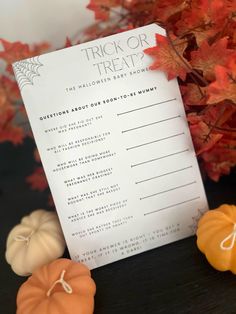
x,y
216,236
61,287
36,241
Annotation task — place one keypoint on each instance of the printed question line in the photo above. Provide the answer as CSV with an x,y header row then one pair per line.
x,y
140,108
159,140
165,191
162,157
173,205
164,174
149,124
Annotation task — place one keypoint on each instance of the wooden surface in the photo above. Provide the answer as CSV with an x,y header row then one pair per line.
x,y
175,278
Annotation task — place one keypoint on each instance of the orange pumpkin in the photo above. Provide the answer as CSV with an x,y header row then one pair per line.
x,y
61,287
216,236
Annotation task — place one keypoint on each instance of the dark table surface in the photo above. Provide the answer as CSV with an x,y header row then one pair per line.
x,y
175,278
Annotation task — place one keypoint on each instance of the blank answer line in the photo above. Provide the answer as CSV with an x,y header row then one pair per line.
x,y
164,174
159,103
159,140
145,125
151,160
173,205
175,188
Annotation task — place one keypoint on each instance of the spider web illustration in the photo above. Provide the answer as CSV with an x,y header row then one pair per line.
x,y
26,71
195,220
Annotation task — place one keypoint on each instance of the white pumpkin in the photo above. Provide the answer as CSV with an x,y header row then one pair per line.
x,y
36,241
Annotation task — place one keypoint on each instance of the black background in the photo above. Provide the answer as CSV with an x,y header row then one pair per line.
x,y
175,278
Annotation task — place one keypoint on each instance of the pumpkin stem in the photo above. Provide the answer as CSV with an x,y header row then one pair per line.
x,y
21,238
231,235
64,284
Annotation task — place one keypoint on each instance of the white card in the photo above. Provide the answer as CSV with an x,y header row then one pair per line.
x,y
115,146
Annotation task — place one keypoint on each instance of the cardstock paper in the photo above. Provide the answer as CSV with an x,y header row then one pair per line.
x,y
115,146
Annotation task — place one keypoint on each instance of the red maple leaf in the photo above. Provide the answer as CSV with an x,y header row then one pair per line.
x,y
224,87
207,57
37,180
168,57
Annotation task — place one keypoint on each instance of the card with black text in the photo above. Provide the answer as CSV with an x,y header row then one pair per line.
x,y
115,146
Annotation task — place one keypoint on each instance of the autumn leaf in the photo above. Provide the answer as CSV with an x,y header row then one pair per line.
x,y
204,19
38,49
195,22
216,169
168,57
166,9
220,116
224,87
17,51
50,201
138,6
193,95
37,180
102,8
68,43
9,90
14,51
219,161
9,131
231,65
36,155
203,139
207,57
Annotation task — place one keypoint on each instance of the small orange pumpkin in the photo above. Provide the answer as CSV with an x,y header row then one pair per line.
x,y
61,287
216,236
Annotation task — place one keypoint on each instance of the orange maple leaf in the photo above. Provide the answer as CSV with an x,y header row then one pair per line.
x,y
139,6
202,138
207,57
204,19
164,10
216,169
40,48
17,51
10,89
224,87
193,95
221,118
101,8
218,161
168,57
